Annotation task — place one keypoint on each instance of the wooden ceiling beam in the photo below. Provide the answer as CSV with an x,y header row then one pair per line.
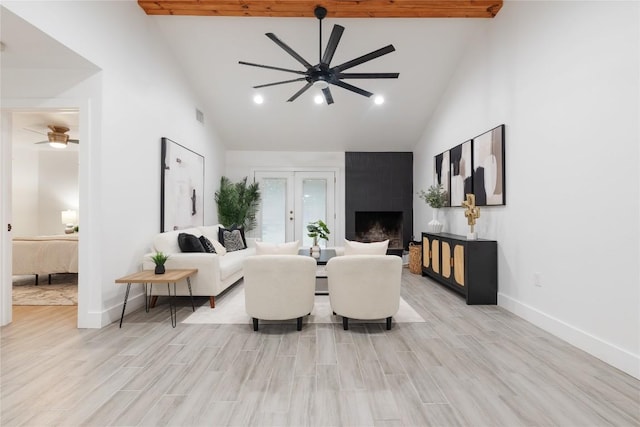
x,y
335,8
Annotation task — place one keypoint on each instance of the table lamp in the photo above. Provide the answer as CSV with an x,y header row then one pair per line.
x,y
69,218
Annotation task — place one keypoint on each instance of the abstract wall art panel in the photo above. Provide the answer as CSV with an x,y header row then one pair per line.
x,y
461,181
442,167
488,164
181,187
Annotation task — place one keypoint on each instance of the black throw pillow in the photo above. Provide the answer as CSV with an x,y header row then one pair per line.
x,y
221,231
207,245
189,243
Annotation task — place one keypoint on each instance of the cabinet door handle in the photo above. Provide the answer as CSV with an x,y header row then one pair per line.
x,y
451,261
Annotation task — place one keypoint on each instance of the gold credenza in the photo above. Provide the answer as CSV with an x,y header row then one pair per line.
x,y
469,267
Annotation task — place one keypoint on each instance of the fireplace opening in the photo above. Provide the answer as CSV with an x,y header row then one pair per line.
x,y
379,226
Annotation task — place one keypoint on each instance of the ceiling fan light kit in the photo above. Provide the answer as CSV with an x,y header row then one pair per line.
x,y
58,137
322,75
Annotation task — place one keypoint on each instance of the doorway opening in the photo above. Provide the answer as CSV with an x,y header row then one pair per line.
x,y
45,207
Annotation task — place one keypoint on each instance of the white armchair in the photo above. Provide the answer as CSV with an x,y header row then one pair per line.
x,y
365,287
279,287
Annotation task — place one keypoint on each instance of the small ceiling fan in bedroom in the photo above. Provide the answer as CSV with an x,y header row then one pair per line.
x,y
323,74
57,137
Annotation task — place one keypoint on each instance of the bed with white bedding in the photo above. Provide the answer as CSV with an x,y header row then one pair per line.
x,y
45,255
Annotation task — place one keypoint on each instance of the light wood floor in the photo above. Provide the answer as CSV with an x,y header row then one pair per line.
x,y
466,366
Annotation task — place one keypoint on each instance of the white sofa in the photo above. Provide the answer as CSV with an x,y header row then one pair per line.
x,y
215,272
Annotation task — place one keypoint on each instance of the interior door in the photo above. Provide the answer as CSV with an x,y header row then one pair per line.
x,y
291,200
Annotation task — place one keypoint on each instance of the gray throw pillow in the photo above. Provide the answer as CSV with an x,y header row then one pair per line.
x,y
233,241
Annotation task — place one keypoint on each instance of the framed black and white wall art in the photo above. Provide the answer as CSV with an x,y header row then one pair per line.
x,y
488,164
442,167
461,181
181,187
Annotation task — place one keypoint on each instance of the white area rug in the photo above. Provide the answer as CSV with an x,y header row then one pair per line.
x,y
63,290
230,310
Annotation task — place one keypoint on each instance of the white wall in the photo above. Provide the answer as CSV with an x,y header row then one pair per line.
x,y
139,96
57,189
243,163
563,77
25,192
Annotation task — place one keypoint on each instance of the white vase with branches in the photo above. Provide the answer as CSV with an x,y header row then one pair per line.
x,y
436,197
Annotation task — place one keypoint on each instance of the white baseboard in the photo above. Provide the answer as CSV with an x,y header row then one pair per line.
x,y
605,351
113,313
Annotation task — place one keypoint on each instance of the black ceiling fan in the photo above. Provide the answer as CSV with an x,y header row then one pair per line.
x,y
322,74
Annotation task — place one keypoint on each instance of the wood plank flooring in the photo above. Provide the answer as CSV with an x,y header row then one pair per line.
x,y
466,366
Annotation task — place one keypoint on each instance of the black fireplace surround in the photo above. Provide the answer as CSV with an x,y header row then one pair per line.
x,y
379,198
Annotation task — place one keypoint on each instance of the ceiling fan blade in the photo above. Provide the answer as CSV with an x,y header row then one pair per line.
x,y
290,51
327,95
352,88
70,141
35,131
336,33
300,92
280,83
271,68
367,75
364,58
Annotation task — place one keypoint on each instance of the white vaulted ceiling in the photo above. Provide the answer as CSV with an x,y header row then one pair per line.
x,y
427,54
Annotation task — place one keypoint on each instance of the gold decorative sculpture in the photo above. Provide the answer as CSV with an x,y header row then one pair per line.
x,y
471,213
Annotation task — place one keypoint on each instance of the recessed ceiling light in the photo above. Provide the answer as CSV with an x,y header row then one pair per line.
x,y
318,99
258,99
379,100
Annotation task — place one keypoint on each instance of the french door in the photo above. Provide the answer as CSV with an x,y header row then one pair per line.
x,y
291,200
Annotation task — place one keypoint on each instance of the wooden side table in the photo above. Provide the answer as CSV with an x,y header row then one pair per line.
x,y
148,277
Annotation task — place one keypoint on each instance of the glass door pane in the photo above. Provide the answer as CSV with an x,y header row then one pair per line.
x,y
274,199
314,206
314,200
275,219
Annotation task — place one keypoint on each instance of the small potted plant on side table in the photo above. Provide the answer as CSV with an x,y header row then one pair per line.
x,y
159,259
317,230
